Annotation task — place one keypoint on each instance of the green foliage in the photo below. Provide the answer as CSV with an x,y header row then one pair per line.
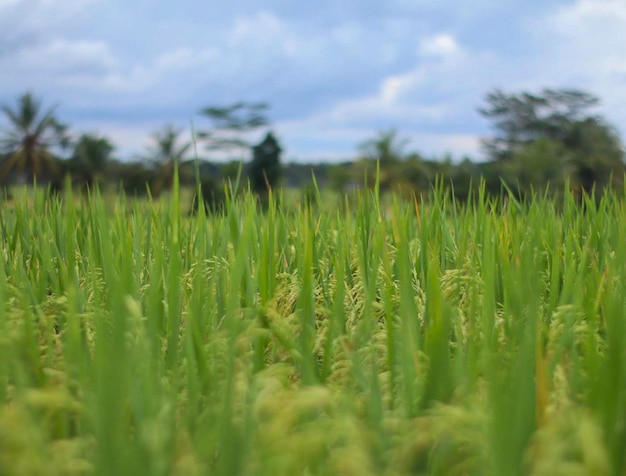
x,y
90,158
265,168
550,138
393,338
29,139
133,178
541,142
597,153
230,124
536,166
521,118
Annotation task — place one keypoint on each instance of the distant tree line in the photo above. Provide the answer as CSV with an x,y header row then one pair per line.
x,y
540,142
36,147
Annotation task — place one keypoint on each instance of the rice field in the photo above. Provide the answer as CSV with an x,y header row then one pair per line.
x,y
386,338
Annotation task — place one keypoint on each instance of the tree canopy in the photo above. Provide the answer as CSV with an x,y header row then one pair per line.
x,y
90,157
520,118
29,139
555,128
540,139
231,124
265,169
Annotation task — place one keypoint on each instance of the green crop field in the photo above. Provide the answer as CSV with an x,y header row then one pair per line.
x,y
404,339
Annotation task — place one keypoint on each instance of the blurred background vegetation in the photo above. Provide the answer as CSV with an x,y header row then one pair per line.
x,y
540,142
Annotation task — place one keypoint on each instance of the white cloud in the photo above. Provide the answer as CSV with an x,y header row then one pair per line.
x,y
260,24
590,30
263,36
145,78
43,14
380,108
458,145
426,93
591,14
393,86
183,59
66,58
616,67
584,48
321,139
343,76
439,45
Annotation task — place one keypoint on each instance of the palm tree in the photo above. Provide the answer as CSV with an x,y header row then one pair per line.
x,y
28,140
166,154
90,158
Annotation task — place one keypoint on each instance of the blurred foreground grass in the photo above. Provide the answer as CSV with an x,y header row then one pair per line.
x,y
431,339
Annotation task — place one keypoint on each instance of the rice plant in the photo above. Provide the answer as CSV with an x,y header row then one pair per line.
x,y
393,337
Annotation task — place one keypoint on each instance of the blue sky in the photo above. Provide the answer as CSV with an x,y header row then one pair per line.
x,y
334,72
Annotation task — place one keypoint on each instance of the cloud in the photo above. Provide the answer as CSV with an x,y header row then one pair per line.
x,y
19,18
393,86
589,34
442,44
64,59
584,48
420,102
35,49
321,140
427,93
334,73
343,72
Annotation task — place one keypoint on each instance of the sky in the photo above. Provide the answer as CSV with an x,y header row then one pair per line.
x,y
334,72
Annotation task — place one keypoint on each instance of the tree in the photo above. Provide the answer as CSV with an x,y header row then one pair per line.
x,y
538,165
165,155
29,139
524,117
133,178
231,124
265,168
387,147
90,158
597,153
589,148
413,176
